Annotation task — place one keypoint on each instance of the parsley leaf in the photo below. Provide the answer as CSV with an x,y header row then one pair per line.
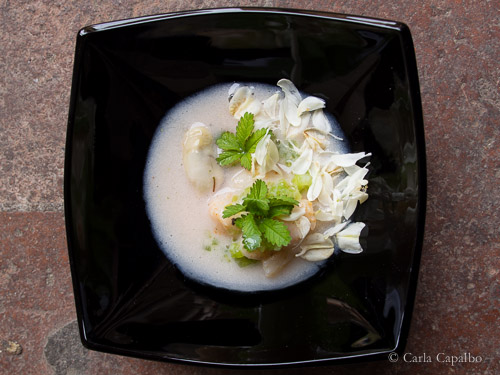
x,y
229,157
254,139
244,128
228,141
281,206
282,200
240,146
275,232
258,190
256,200
279,210
257,225
252,237
232,210
246,161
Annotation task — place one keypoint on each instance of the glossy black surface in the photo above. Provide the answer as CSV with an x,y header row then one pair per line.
x,y
130,299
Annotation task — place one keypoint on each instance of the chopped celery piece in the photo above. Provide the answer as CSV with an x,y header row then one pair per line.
x,y
237,255
284,188
243,262
302,181
235,250
287,152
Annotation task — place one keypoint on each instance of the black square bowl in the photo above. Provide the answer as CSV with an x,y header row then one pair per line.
x,y
130,299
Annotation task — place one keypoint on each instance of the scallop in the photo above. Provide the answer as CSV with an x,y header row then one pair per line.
x,y
216,205
198,156
273,265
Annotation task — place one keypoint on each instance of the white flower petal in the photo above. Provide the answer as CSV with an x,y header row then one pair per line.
x,y
232,89
351,169
303,225
243,101
296,133
263,122
348,239
284,168
288,105
296,213
360,196
240,96
351,184
360,174
253,106
320,121
316,184
261,149
316,255
342,184
309,104
284,124
316,139
290,90
271,106
350,207
266,155
336,229
324,215
303,162
327,165
291,111
348,160
325,197
337,208
305,120
316,247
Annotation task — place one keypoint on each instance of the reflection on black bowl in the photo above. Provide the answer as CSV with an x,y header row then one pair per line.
x,y
130,299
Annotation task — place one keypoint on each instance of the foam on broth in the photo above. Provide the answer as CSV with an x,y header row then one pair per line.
x,y
179,213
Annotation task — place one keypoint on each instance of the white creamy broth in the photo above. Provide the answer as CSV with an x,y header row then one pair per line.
x,y
179,213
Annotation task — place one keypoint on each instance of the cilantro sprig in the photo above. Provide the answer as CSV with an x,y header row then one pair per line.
x,y
257,224
241,145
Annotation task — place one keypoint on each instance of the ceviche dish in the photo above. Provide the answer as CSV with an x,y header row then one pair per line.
x,y
253,187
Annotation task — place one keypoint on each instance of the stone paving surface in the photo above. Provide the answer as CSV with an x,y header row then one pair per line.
x,y
457,308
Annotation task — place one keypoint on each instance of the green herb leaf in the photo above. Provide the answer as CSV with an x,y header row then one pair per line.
x,y
228,141
275,232
256,200
252,237
281,206
242,145
279,210
257,206
232,210
252,142
258,226
244,128
258,190
246,161
281,201
229,157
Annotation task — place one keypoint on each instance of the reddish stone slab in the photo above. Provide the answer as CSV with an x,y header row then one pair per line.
x,y
457,309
